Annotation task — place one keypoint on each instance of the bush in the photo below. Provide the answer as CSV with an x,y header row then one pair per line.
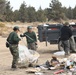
x,y
2,24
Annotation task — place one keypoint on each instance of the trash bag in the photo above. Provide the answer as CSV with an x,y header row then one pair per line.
x,y
72,57
26,56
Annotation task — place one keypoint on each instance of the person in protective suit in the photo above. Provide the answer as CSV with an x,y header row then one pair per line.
x,y
72,42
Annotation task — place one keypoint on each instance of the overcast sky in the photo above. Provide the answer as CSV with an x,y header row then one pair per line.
x,y
43,3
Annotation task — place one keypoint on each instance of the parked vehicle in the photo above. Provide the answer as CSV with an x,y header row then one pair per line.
x,y
51,33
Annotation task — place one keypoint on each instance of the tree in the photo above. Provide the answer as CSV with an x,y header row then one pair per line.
x,y
31,14
2,9
56,5
23,12
41,15
74,13
16,15
70,13
9,12
65,11
56,10
47,12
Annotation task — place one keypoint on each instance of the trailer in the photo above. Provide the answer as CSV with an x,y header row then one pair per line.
x,y
51,33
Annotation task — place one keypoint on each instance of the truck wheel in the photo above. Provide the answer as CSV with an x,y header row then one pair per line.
x,y
60,46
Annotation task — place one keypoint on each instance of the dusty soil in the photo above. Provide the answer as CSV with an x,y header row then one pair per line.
x,y
6,58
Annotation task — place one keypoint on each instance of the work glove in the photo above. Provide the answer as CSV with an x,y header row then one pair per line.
x,y
21,35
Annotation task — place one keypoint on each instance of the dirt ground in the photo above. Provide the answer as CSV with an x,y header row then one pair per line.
x,y
6,58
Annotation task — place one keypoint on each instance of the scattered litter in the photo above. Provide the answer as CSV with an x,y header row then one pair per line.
x,y
33,70
59,53
27,57
52,68
69,73
72,57
39,73
44,68
54,61
57,72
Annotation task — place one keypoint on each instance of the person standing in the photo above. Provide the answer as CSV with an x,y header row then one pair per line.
x,y
72,41
66,34
31,38
13,41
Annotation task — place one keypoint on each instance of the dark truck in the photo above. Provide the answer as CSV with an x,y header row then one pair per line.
x,y
51,33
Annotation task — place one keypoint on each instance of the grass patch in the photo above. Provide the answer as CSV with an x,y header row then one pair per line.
x,y
2,24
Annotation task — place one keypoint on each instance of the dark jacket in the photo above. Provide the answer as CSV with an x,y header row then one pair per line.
x,y
31,37
13,38
66,33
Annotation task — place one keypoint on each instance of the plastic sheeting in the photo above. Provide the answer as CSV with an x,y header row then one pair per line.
x,y
59,53
72,57
27,56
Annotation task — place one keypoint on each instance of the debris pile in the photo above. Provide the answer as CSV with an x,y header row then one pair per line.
x,y
65,66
